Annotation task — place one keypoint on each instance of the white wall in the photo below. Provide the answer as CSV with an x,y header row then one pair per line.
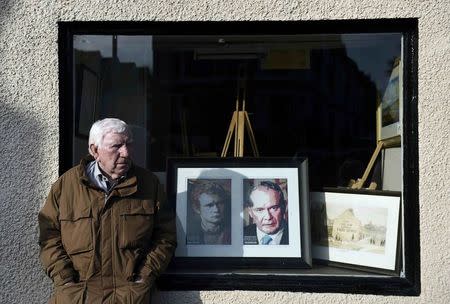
x,y
29,127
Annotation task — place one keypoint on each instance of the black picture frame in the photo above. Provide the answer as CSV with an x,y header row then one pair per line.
x,y
235,255
375,245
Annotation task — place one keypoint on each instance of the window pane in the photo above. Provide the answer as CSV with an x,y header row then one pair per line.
x,y
306,95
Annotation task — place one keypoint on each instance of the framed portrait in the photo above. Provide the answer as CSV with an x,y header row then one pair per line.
x,y
240,212
356,230
208,216
389,114
87,100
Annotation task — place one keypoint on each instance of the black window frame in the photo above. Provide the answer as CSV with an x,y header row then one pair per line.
x,y
306,280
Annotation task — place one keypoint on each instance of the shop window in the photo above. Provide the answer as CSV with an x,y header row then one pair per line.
x,y
311,89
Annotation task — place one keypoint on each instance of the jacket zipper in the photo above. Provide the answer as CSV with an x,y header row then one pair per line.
x,y
107,197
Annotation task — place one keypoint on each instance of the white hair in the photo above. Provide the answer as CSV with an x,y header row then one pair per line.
x,y
102,127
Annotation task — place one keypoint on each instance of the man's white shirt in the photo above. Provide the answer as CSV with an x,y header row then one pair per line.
x,y
276,238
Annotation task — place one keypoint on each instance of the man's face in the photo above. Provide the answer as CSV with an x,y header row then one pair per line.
x,y
266,212
114,155
211,208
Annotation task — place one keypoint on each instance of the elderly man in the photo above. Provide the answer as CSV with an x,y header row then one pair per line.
x,y
106,230
211,202
267,207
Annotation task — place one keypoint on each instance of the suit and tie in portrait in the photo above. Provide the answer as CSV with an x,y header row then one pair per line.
x,y
266,206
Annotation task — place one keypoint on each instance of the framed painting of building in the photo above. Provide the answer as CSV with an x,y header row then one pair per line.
x,y
356,230
240,212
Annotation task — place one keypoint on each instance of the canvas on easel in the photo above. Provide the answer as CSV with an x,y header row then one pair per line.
x,y
389,108
388,121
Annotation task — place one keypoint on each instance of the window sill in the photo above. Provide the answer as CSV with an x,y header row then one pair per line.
x,y
318,279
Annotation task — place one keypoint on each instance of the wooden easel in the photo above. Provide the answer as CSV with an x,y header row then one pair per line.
x,y
358,184
240,121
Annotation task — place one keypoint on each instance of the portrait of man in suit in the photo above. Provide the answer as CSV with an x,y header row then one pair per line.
x,y
266,205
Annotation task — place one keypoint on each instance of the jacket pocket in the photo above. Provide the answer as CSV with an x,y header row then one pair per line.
x,y
136,225
70,294
76,231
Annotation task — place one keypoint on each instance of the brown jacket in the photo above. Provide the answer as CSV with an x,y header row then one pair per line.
x,y
103,242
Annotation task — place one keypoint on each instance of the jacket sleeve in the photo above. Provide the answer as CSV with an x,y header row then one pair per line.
x,y
164,239
54,258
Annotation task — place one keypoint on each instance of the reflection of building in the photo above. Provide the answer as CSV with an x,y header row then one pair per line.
x,y
346,227
124,91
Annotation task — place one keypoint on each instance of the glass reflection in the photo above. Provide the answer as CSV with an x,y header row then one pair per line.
x,y
308,95
119,68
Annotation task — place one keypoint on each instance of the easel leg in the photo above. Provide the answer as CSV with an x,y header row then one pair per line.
x,y
240,134
231,129
360,182
251,135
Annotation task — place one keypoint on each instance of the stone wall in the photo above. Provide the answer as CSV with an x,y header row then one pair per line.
x,y
29,134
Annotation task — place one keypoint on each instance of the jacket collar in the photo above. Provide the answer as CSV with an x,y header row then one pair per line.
x,y
126,187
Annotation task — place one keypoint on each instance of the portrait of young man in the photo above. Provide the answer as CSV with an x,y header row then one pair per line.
x,y
208,217
265,204
106,230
